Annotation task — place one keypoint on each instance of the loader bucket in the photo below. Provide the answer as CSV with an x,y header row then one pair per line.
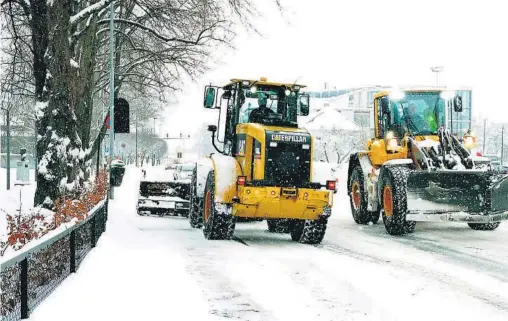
x,y
466,191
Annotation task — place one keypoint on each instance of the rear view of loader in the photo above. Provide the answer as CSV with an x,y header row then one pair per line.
x,y
264,168
416,170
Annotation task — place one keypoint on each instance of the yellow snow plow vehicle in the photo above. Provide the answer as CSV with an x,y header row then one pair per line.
x,y
264,167
414,169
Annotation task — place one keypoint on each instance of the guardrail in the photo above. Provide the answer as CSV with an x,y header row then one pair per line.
x,y
31,276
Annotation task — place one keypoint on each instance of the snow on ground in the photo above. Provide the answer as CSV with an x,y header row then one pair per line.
x,y
160,269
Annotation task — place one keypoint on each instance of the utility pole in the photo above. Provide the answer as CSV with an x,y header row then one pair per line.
x,y
437,70
111,98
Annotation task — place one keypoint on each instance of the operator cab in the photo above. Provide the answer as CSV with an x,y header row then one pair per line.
x,y
283,102
261,130
424,117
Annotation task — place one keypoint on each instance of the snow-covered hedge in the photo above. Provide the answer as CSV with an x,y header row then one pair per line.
x,y
24,227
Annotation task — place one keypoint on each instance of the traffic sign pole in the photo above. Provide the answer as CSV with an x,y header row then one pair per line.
x,y
111,97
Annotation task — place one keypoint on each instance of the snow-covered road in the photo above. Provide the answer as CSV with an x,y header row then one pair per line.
x,y
148,268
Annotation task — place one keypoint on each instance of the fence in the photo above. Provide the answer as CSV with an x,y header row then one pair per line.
x,y
31,276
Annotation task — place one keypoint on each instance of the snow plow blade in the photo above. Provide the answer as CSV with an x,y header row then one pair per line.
x,y
167,188
462,196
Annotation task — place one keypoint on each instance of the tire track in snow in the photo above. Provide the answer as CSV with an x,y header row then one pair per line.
x,y
461,286
325,293
226,299
493,268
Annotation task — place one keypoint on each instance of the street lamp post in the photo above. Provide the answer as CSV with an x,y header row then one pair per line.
x,y
111,97
437,70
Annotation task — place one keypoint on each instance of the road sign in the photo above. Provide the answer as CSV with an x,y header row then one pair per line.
x,y
122,120
106,150
108,122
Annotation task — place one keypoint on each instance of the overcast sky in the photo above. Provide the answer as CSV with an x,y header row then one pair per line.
x,y
368,42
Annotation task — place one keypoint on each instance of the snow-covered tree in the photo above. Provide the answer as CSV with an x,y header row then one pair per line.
x,y
67,42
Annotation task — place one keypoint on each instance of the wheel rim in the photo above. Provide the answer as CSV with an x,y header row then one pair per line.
x,y
208,205
356,195
387,201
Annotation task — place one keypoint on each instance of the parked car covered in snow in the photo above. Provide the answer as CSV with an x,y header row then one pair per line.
x,y
163,198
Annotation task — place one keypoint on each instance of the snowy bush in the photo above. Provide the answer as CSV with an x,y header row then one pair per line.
x,y
37,222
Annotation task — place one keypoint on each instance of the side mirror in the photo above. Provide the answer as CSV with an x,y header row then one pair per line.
x,y
457,104
385,105
304,102
209,97
212,128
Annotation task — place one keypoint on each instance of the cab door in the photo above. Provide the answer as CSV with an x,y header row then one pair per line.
x,y
258,166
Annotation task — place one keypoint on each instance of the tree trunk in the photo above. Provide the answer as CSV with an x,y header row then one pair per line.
x,y
87,51
58,145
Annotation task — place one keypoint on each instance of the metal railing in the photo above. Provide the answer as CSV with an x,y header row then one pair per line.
x,y
31,276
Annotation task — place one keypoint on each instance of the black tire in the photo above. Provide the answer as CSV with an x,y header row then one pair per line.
x,y
359,204
484,226
217,225
195,208
394,181
279,225
308,231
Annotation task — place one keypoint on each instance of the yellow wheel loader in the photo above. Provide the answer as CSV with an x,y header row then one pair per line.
x,y
414,169
264,168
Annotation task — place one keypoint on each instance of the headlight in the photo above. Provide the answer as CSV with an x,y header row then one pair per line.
x,y
392,144
469,142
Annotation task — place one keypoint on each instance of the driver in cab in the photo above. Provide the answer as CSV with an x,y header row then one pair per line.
x,y
413,119
262,112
